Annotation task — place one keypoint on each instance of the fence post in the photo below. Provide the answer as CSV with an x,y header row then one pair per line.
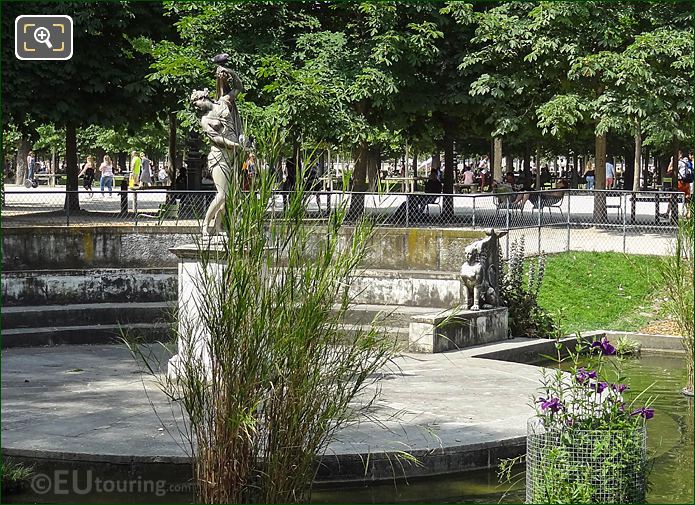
x,y
540,211
135,206
407,211
474,199
569,210
623,204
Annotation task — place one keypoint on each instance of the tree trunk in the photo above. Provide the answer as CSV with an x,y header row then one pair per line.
x,y
539,186
359,182
72,199
21,169
449,171
600,211
373,166
436,161
527,163
510,163
497,159
636,186
172,149
629,169
415,163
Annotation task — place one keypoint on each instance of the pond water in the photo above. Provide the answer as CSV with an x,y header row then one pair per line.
x,y
670,442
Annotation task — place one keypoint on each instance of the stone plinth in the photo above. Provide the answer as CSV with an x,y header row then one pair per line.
x,y
457,329
193,335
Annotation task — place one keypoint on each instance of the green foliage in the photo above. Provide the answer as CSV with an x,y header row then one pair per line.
x,y
588,442
526,317
14,476
626,346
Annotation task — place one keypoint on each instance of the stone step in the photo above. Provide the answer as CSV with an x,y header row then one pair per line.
x,y
396,334
388,315
86,314
85,334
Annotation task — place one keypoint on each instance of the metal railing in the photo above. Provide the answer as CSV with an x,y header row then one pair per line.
x,y
550,221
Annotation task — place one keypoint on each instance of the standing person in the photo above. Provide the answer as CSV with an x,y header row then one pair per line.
x,y
31,165
88,170
248,171
610,174
106,180
135,167
145,172
685,175
590,175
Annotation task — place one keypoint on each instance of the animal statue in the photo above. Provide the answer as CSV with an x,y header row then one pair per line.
x,y
480,273
472,278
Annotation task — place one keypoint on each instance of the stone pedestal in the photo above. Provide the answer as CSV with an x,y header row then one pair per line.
x,y
193,335
456,329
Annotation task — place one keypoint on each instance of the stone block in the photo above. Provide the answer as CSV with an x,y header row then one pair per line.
x,y
457,329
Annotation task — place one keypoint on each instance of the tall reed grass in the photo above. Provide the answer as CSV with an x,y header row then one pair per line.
x,y
677,273
267,373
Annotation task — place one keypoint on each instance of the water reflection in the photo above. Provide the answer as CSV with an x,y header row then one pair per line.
x,y
670,440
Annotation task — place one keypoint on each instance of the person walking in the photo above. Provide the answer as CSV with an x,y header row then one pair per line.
x,y
146,171
590,175
88,170
248,171
610,174
106,180
31,165
135,167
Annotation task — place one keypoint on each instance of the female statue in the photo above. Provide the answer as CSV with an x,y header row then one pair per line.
x,y
222,124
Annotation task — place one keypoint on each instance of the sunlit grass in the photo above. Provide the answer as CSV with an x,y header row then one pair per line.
x,y
608,291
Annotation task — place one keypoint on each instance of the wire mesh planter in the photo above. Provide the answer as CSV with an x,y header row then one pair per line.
x,y
585,466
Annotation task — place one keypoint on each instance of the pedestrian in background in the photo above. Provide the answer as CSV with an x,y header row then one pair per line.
x,y
146,170
31,164
88,170
135,167
106,180
610,174
590,175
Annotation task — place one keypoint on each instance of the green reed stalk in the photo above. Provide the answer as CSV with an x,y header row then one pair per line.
x,y
283,376
677,273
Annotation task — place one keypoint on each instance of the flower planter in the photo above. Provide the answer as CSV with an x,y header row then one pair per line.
x,y
585,466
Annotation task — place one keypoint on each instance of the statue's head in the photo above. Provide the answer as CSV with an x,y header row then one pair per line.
x,y
471,255
200,99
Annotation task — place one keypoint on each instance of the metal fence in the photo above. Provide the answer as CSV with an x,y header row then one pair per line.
x,y
549,221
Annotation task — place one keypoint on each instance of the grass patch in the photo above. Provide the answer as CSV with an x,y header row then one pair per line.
x,y
607,291
14,476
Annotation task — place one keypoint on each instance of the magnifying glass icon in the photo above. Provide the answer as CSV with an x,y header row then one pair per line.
x,y
43,36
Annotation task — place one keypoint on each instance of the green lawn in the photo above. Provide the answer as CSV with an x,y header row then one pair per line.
x,y
607,291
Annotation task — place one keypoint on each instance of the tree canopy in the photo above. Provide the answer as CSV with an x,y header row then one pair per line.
x,y
372,76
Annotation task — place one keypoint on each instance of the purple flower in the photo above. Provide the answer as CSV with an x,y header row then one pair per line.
x,y
645,412
619,388
599,386
551,403
584,375
604,346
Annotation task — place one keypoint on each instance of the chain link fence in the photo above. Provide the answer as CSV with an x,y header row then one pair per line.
x,y
550,221
589,466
